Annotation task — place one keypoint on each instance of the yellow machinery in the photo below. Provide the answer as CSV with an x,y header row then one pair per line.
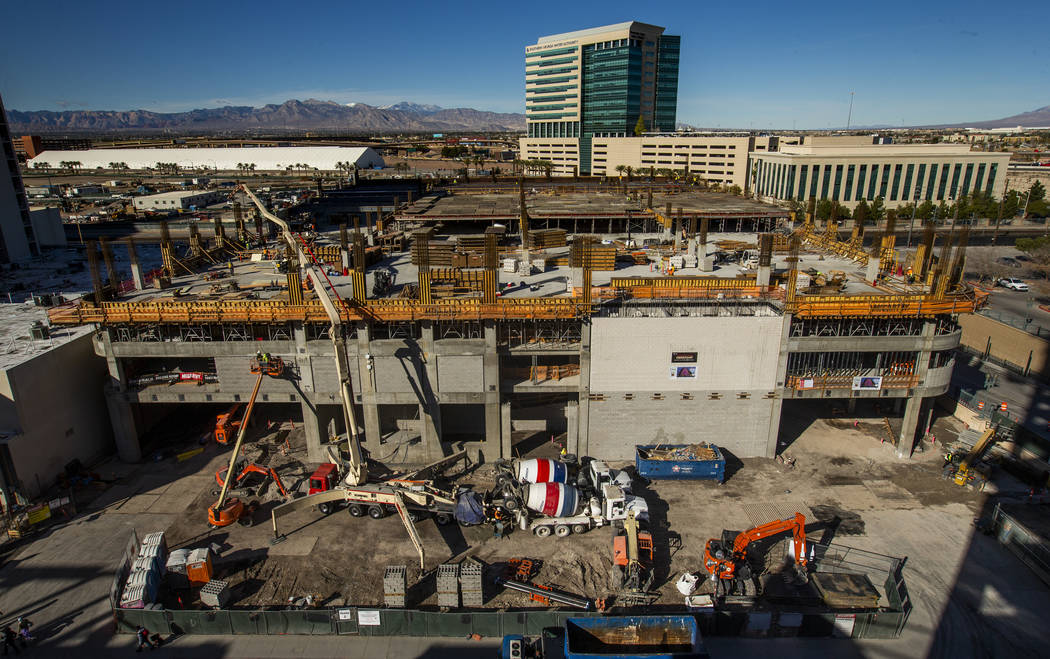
x,y
966,470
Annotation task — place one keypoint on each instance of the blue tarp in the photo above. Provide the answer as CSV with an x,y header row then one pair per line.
x,y
469,509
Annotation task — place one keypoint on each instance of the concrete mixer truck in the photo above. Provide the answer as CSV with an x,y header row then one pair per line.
x,y
542,500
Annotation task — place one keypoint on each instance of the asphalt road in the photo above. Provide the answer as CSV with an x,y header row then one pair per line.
x,y
1016,308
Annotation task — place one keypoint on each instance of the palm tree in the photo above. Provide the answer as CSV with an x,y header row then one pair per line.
x,y
41,165
620,169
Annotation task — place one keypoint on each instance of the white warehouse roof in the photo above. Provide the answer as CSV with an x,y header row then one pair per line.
x,y
264,158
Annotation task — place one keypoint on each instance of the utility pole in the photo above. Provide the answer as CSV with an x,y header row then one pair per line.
x,y
849,117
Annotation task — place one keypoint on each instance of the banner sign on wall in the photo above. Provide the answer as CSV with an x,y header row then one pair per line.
x,y
683,357
683,372
867,383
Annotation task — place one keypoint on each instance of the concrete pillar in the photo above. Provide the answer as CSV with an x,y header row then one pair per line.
x,y
429,407
125,429
583,433
691,248
490,373
366,385
572,424
873,269
312,427
506,441
302,359
136,277
778,401
913,410
368,226
763,276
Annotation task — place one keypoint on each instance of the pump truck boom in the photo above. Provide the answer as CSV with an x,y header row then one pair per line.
x,y
228,510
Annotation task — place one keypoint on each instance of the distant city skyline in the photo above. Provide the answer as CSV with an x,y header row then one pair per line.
x,y
771,67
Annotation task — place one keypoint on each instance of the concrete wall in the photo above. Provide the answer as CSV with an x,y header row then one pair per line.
x,y
1005,343
47,227
730,402
718,159
61,412
734,354
617,425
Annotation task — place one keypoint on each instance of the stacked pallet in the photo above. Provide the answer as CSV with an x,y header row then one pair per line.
x,y
448,585
471,243
545,238
440,254
601,257
395,584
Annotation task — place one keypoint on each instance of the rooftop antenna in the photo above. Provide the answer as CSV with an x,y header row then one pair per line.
x,y
849,117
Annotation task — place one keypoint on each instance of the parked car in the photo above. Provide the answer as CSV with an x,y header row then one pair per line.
x,y
1008,261
1012,283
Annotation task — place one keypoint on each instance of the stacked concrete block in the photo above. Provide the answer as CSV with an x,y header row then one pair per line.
x,y
176,568
215,593
470,583
448,585
395,583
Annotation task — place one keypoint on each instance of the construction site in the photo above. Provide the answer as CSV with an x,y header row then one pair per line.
x,y
510,390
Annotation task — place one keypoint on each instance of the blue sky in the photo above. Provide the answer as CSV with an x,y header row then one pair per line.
x,y
749,65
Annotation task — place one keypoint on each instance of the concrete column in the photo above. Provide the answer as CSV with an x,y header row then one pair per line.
x,y
125,430
913,410
584,411
763,276
302,359
369,236
873,269
572,423
490,371
136,277
313,429
117,378
506,442
429,408
781,379
691,248
366,385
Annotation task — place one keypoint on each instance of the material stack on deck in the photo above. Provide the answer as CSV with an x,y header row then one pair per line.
x,y
448,585
545,238
602,257
395,583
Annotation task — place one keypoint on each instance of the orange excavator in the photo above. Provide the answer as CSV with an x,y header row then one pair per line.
x,y
727,562
227,510
241,481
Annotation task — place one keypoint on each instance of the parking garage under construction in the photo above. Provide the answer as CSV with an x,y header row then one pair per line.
x,y
605,319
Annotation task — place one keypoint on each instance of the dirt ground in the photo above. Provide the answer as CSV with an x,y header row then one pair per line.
x,y
837,473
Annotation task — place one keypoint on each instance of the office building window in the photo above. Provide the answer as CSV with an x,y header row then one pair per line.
x,y
955,181
837,190
896,182
991,177
826,183
931,182
945,171
790,194
873,181
967,178
885,181
815,181
802,181
861,175
848,195
978,185
906,193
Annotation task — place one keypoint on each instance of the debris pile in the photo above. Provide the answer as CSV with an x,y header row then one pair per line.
x,y
690,452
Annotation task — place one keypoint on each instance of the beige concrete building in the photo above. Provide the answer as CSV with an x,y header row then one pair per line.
x,y
715,158
848,169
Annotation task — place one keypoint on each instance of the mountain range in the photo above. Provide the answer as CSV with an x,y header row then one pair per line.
x,y
290,116
1035,119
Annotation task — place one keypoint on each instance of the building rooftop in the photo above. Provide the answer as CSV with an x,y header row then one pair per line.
x,y
486,207
578,34
176,195
16,342
264,158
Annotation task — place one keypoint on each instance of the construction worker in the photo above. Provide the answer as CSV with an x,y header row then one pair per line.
x,y
498,524
948,459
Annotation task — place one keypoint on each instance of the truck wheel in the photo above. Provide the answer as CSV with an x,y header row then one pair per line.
x,y
543,531
414,517
579,528
325,508
562,531
443,519
246,521
511,504
375,511
356,510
